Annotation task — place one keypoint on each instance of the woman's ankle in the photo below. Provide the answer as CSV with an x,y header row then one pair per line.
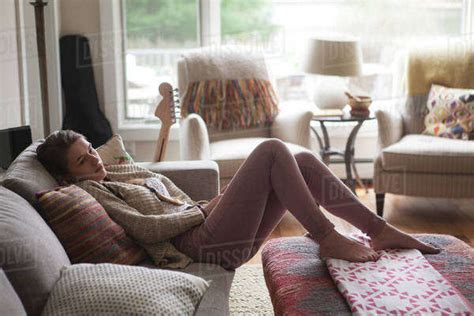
x,y
376,229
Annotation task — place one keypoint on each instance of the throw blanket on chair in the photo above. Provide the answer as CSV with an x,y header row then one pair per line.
x,y
448,65
444,65
400,282
229,88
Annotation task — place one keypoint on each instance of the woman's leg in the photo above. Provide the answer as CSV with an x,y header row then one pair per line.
x,y
228,235
336,198
331,193
328,191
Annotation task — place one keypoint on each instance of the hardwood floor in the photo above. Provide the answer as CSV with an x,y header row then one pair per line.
x,y
410,214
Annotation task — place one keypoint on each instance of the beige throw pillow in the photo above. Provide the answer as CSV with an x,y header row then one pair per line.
x,y
112,289
113,152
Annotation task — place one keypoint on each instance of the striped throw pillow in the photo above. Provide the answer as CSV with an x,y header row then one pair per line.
x,y
85,230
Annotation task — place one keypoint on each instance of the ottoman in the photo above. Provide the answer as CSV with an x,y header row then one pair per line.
x,y
299,283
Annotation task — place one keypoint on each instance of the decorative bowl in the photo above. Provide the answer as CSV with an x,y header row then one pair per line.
x,y
360,105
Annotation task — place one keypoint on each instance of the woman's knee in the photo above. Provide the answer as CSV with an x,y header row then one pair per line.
x,y
272,145
306,158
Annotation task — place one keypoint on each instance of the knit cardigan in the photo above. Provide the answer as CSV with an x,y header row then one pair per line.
x,y
150,214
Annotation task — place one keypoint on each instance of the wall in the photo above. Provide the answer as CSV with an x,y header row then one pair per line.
x,y
83,17
10,95
20,95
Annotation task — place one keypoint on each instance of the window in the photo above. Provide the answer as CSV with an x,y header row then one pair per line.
x,y
384,27
158,31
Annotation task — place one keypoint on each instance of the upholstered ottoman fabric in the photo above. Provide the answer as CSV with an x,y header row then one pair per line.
x,y
299,283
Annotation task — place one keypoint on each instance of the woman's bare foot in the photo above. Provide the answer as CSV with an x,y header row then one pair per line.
x,y
392,238
338,246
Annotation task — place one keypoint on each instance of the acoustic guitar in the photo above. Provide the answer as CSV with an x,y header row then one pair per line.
x,y
166,111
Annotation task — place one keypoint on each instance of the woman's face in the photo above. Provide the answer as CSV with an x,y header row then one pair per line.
x,y
84,163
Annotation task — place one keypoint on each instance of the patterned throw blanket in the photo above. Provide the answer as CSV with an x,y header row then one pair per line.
x,y
229,88
401,282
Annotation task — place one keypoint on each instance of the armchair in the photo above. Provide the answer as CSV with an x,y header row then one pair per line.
x,y
230,147
410,163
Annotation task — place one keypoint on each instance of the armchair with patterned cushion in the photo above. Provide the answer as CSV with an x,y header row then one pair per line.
x,y
426,147
229,107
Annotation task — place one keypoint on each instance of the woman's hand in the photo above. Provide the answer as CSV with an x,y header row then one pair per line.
x,y
207,209
137,181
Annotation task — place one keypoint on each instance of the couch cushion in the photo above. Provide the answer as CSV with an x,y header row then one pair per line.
x,y
429,154
85,229
10,303
113,152
112,289
31,254
230,154
216,300
217,135
26,175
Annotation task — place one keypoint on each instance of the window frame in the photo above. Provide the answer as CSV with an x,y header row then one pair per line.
x,y
113,53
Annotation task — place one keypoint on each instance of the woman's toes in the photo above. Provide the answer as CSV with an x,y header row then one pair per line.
x,y
427,248
392,238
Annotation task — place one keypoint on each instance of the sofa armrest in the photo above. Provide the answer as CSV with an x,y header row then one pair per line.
x,y
293,127
199,179
194,139
390,127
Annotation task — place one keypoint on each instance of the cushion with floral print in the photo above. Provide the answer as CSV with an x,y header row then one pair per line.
x,y
450,112
113,152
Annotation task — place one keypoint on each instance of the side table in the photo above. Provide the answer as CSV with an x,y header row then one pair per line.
x,y
326,151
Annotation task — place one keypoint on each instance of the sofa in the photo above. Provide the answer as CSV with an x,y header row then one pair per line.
x,y
31,256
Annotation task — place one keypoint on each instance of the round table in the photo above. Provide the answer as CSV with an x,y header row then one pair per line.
x,y
348,153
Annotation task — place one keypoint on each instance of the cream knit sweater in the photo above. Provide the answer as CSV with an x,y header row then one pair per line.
x,y
151,214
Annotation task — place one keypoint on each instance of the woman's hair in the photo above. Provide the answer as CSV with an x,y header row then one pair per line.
x,y
52,153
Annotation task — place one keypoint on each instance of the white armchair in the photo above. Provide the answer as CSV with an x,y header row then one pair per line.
x,y
229,148
413,164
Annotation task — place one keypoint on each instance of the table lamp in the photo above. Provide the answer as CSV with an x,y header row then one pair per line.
x,y
341,57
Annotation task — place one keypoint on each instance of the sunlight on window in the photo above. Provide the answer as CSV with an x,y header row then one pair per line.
x,y
159,31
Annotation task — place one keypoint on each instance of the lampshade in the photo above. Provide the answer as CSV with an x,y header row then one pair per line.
x,y
334,57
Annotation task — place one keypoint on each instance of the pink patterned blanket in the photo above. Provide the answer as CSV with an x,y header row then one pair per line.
x,y
401,282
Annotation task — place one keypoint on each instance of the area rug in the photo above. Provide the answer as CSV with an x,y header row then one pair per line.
x,y
248,293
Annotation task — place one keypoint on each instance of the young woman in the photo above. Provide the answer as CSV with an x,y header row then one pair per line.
x,y
230,228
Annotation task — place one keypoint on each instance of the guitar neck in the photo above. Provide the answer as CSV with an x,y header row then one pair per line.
x,y
162,143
